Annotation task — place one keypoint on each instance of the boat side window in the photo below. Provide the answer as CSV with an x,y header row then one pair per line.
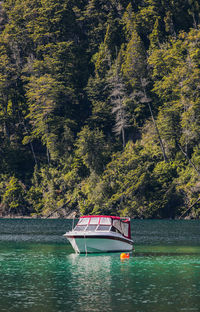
x,y
80,228
125,228
103,228
117,226
91,227
113,229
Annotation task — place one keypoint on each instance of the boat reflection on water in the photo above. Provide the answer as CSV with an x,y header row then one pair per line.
x,y
92,280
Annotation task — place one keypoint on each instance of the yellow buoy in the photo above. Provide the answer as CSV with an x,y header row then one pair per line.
x,y
124,255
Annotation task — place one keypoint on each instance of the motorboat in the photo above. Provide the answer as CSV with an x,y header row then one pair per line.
x,y
100,233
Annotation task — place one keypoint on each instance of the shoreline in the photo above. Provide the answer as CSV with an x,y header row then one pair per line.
x,y
73,217
34,217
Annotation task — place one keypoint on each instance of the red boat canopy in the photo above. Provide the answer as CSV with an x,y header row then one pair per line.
x,y
105,216
120,223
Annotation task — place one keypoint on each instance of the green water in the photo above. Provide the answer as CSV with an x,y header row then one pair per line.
x,y
39,271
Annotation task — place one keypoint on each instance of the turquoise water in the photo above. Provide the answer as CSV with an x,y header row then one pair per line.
x,y
40,272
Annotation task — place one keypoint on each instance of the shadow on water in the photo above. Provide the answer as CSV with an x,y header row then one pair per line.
x,y
166,250
170,254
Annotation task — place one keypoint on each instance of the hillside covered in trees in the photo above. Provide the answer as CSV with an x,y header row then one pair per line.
x,y
100,107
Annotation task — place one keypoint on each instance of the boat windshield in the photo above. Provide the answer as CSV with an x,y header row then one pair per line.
x,y
94,221
83,221
106,220
80,227
104,228
104,224
91,227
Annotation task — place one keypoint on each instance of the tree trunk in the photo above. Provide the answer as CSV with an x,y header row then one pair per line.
x,y
143,83
158,134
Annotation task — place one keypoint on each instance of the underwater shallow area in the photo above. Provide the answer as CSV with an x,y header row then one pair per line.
x,y
40,272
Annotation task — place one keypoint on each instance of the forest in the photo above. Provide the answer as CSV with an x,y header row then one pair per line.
x,y
100,108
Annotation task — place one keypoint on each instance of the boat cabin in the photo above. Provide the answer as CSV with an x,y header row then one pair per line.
x,y
104,224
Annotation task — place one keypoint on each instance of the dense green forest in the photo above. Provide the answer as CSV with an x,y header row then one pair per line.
x,y
100,107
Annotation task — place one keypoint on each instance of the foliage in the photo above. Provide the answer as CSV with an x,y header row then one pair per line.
x,y
100,107
13,197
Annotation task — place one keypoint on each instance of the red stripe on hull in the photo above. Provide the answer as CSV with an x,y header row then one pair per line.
x,y
101,237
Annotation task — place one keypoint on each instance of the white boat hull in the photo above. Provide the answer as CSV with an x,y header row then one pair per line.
x,y
104,242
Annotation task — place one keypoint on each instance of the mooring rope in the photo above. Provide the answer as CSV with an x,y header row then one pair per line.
x,y
85,244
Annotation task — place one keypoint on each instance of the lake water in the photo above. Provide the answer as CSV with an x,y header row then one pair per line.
x,y
39,271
